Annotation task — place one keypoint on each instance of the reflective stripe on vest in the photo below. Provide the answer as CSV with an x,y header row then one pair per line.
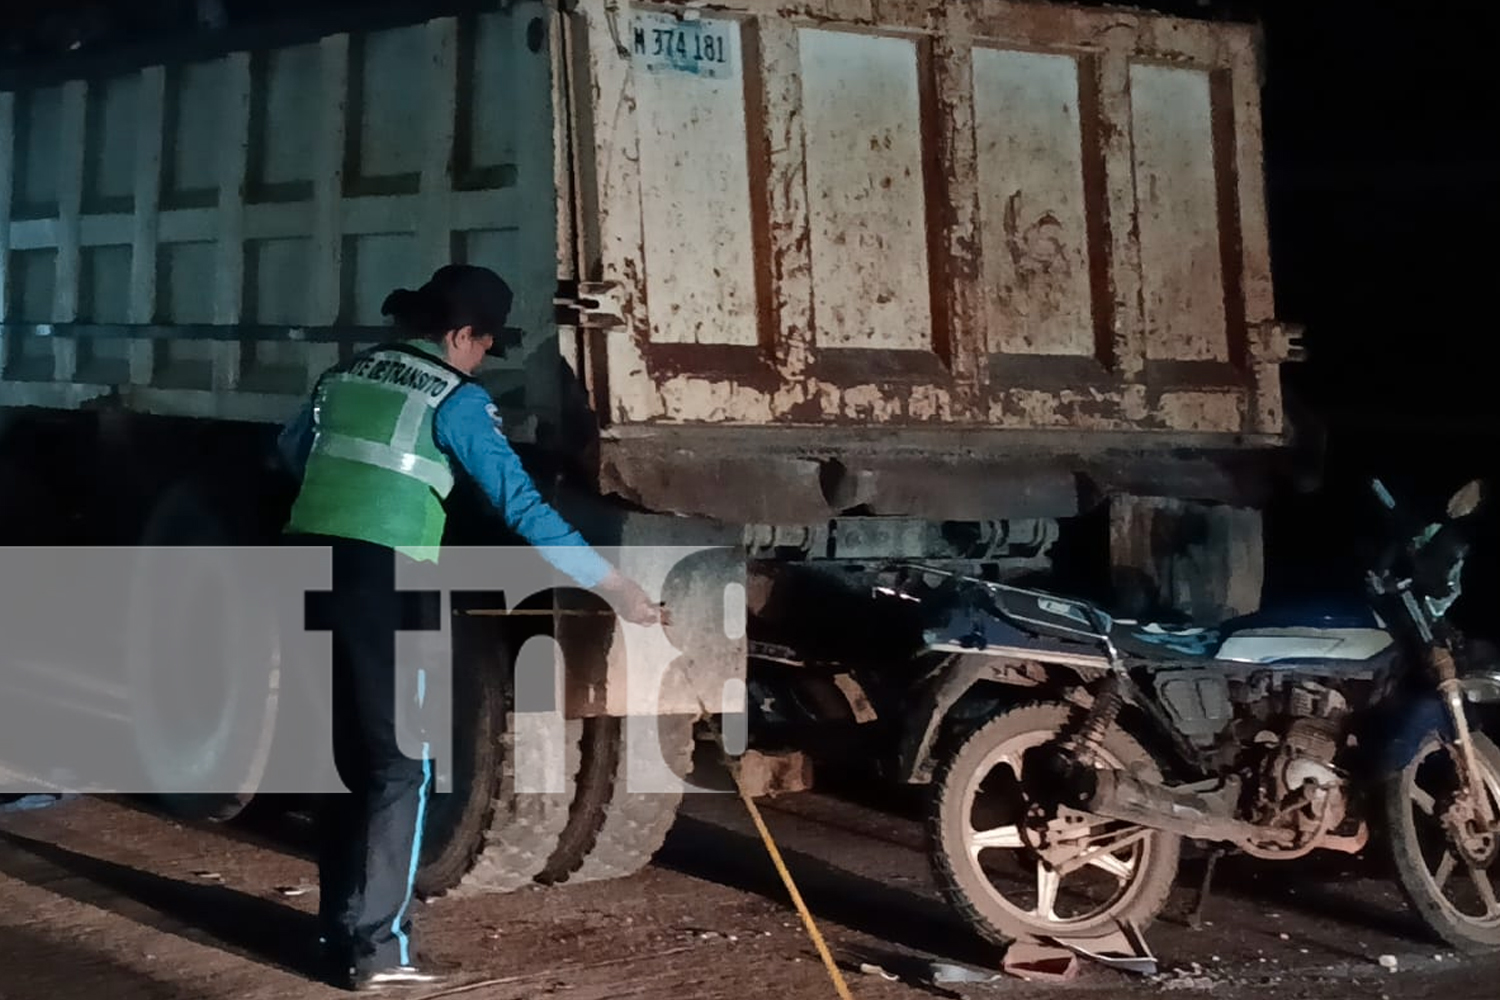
x,y
425,384
434,474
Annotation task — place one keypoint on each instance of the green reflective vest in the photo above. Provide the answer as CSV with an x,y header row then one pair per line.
x,y
374,471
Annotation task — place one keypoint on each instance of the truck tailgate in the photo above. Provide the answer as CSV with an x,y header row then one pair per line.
x,y
1008,216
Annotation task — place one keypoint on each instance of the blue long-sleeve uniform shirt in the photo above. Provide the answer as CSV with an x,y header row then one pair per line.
x,y
467,428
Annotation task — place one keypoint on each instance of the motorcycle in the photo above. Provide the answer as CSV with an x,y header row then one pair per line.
x,y
1274,736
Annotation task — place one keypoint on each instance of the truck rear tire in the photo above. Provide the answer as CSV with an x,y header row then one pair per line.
x,y
614,832
208,514
30,510
484,836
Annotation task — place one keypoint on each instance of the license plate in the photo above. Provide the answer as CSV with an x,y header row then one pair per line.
x,y
663,44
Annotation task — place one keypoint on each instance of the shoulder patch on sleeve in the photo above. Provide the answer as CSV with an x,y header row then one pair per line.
x,y
494,412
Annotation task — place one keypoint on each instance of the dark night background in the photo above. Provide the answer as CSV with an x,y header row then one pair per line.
x,y
1382,185
1381,177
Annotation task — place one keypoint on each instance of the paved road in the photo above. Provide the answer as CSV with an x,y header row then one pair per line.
x,y
103,898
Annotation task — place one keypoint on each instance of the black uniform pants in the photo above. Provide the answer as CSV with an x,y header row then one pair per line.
x,y
370,837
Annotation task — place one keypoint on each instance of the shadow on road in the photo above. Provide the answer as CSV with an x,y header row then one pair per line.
x,y
704,850
37,966
259,930
275,823
1345,905
1327,888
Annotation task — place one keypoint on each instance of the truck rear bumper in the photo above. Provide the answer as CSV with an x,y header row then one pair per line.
x,y
796,475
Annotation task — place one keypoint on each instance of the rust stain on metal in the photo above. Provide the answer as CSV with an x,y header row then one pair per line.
x,y
1039,258
1041,408
1217,412
1135,407
797,403
1131,408
929,403
954,184
1033,211
863,124
868,402
1177,194
634,308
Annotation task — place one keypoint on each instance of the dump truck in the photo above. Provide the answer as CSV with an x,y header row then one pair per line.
x,y
816,286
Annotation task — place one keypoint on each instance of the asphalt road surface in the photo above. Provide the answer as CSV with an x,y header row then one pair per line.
x,y
104,898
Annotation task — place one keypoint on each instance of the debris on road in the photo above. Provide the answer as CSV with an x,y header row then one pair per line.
x,y
952,972
1191,978
927,974
208,876
1032,961
27,803
1389,963
1124,949
295,890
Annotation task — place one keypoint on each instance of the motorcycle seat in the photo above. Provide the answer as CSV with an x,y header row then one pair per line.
x,y
1155,641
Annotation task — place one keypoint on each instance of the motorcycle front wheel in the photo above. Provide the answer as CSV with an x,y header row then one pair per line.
x,y
1448,879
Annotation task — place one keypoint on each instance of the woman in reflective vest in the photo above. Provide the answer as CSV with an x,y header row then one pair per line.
x,y
375,449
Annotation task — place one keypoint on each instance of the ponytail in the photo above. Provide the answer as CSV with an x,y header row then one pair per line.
x,y
417,311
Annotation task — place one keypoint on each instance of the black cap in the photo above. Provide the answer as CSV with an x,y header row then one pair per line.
x,y
456,295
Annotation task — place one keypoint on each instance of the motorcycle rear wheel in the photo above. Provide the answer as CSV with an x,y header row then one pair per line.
x,y
1457,899
971,790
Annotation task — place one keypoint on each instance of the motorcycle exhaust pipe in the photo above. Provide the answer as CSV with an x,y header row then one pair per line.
x,y
1056,776
1203,815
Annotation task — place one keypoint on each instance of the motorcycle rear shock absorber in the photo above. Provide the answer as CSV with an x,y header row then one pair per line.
x,y
1085,744
1062,773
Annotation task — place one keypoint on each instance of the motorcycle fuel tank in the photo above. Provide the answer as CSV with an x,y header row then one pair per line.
x,y
1273,644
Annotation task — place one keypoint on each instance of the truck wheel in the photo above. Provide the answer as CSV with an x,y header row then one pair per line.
x,y
485,836
30,511
983,848
178,738
614,832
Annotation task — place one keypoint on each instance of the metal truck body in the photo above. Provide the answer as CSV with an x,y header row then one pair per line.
x,y
957,220
823,277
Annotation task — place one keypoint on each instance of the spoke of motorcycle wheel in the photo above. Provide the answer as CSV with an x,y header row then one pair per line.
x,y
1048,882
1096,857
1486,889
1119,837
1002,837
1422,799
1444,870
1118,867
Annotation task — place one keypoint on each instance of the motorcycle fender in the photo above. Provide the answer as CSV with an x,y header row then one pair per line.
x,y
917,761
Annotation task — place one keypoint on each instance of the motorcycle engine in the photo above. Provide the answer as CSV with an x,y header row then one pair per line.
x,y
1301,788
1309,747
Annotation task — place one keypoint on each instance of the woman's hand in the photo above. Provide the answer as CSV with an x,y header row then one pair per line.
x,y
634,604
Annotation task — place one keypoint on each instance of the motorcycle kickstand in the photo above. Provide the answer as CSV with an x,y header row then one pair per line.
x,y
1195,918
